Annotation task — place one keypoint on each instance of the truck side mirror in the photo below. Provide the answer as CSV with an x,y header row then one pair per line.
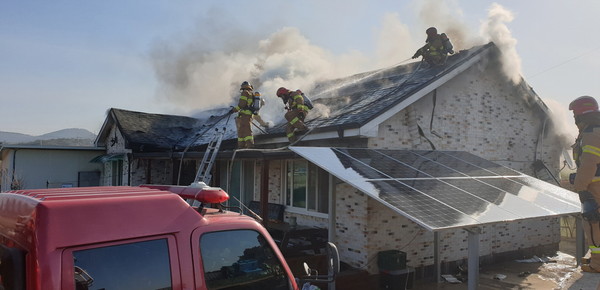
x,y
333,267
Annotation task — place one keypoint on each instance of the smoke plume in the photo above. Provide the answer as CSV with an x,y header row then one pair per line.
x,y
203,69
496,30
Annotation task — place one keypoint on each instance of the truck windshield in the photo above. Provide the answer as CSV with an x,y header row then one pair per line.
x,y
241,260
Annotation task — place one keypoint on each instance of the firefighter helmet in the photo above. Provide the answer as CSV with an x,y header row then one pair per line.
x,y
282,91
431,31
582,105
246,86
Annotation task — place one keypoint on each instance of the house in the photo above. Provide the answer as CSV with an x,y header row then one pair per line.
x,y
31,166
460,140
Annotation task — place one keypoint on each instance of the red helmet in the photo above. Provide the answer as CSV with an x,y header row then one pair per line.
x,y
582,105
281,91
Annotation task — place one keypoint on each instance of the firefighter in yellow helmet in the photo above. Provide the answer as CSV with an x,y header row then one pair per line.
x,y
244,118
586,152
436,48
297,110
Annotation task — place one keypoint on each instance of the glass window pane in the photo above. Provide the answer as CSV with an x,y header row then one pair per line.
x,y
12,268
289,180
235,184
240,260
299,185
248,181
311,201
323,190
140,265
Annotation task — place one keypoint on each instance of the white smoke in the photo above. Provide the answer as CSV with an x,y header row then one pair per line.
x,y
195,78
204,69
496,30
394,41
564,124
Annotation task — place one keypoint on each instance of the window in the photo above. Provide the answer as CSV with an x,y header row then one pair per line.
x,y
139,265
241,260
241,182
306,186
116,172
12,268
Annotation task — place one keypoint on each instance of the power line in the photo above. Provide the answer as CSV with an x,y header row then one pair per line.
x,y
564,62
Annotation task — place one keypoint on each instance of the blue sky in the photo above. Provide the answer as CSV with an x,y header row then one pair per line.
x,y
65,63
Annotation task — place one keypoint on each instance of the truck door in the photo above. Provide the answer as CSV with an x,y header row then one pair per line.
x,y
239,259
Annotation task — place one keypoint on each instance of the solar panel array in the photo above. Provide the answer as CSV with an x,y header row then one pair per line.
x,y
443,189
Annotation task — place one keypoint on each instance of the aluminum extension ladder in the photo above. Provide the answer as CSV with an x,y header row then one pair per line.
x,y
208,160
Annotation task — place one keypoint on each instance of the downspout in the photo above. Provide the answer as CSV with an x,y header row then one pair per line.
x,y
129,158
14,168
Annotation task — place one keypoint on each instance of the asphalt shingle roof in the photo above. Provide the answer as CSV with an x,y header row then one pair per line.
x,y
355,100
352,101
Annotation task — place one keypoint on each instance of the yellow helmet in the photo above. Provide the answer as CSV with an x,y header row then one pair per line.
x,y
246,86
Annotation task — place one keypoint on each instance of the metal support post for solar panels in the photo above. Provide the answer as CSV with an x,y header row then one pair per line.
x,y
436,257
473,264
579,239
332,218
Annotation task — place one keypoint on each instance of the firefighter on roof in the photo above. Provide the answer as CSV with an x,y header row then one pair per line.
x,y
244,118
436,48
586,152
297,110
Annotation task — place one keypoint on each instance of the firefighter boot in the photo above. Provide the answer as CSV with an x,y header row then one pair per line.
x,y
589,269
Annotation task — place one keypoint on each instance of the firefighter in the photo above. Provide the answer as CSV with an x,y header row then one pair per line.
x,y
586,152
436,48
244,118
296,112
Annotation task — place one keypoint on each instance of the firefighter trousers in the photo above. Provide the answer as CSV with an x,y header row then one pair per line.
x,y
295,122
245,138
592,231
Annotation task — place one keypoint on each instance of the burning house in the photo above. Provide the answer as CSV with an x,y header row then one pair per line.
x,y
429,161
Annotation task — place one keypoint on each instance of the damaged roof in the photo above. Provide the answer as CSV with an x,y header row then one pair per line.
x,y
358,102
157,132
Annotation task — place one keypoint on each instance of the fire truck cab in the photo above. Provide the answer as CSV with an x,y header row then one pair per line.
x,y
122,237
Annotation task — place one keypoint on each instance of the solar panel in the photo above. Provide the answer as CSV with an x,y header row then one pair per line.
x,y
443,189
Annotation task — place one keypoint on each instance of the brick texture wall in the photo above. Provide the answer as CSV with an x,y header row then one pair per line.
x,y
473,112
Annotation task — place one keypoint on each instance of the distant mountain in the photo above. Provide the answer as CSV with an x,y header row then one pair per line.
x,y
64,137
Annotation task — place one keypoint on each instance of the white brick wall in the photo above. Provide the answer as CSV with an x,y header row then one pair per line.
x,y
474,113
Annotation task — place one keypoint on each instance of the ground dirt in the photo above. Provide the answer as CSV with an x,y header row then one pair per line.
x,y
561,272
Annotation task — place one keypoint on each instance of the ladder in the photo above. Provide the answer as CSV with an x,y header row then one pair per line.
x,y
208,160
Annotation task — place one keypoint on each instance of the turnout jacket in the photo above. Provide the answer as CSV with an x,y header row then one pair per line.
x,y
586,150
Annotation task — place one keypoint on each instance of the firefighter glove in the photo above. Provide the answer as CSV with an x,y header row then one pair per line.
x,y
589,206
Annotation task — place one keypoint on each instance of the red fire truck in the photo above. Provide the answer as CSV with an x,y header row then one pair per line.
x,y
145,237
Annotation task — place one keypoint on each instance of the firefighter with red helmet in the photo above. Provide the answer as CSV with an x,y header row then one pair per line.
x,y
297,110
244,118
436,48
586,152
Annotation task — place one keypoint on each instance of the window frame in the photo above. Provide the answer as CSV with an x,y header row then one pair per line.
x,y
285,183
116,178
68,261
247,183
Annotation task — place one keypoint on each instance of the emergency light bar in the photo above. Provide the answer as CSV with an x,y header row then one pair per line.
x,y
197,191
